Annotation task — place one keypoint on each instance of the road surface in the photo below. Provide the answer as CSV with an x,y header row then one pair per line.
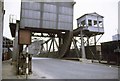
x,y
50,68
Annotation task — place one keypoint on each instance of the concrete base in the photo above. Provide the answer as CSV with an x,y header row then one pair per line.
x,y
85,61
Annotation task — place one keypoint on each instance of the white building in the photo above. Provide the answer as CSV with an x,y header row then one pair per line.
x,y
117,36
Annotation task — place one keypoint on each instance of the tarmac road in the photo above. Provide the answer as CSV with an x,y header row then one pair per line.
x,y
50,68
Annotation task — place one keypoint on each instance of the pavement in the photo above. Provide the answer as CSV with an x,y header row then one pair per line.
x,y
47,68
9,72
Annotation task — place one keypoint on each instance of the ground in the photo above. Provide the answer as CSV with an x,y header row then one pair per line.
x,y
48,68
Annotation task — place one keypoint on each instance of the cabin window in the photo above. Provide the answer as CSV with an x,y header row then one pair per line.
x,y
83,23
100,24
95,23
89,22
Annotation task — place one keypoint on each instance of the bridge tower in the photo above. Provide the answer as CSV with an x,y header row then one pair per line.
x,y
89,25
49,18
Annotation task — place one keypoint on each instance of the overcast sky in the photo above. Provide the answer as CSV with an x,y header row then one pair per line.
x,y
106,8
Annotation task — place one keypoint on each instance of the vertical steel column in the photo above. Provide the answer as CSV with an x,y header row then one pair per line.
x,y
15,55
95,46
82,45
50,45
41,15
47,47
16,46
87,47
56,43
88,41
1,37
57,15
53,45
60,43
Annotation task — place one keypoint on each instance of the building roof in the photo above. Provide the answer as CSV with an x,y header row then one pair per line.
x,y
93,14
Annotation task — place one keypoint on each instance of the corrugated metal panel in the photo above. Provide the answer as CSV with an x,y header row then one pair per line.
x,y
49,8
31,14
67,26
47,15
52,25
45,24
49,24
65,18
31,6
30,23
66,10
66,4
